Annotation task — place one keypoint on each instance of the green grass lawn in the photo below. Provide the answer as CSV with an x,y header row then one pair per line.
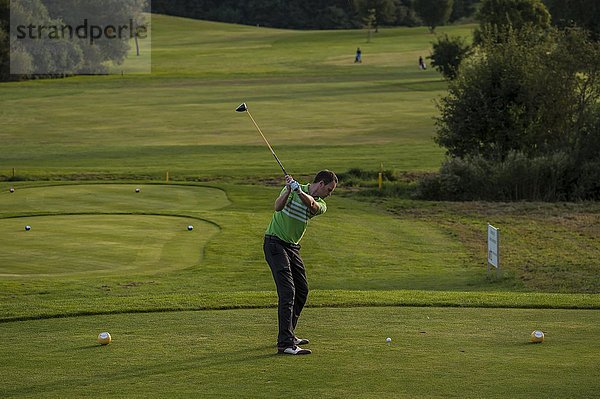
x,y
72,245
434,353
101,198
101,257
97,239
316,107
97,248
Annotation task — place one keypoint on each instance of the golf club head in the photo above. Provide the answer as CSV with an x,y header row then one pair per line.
x,y
241,108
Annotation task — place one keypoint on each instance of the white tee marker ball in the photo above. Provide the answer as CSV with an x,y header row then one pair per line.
x,y
27,228
388,340
537,337
190,227
137,190
12,190
104,338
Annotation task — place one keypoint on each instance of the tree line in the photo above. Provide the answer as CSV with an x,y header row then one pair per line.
x,y
315,14
296,14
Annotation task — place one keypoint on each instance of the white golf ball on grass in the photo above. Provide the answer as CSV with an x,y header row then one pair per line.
x,y
388,340
190,227
27,228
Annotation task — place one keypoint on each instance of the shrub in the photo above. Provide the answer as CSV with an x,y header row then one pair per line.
x,y
518,177
447,55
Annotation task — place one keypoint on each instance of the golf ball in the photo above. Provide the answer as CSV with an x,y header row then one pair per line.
x,y
12,190
537,337
137,190
190,227
104,338
388,340
27,228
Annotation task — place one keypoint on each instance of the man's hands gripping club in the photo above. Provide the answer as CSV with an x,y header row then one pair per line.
x,y
293,185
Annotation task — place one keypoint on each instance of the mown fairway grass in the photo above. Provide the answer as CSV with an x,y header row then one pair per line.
x,y
107,242
434,353
99,253
317,107
127,259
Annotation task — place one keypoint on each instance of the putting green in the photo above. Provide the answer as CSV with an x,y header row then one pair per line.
x,y
102,244
90,232
112,198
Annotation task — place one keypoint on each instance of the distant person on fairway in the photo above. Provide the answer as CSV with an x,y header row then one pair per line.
x,y
294,207
358,57
422,64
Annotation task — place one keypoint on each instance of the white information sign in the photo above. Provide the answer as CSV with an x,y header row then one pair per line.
x,y
493,246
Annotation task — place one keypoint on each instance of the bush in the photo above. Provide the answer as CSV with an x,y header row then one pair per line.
x,y
544,178
588,182
355,177
447,55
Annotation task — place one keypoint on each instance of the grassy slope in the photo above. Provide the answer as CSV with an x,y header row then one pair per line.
x,y
302,87
545,247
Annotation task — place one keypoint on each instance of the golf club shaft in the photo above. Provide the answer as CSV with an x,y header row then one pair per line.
x,y
265,139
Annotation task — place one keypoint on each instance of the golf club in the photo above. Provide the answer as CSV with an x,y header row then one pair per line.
x,y
244,108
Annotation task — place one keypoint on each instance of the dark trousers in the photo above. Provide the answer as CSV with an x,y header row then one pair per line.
x,y
292,287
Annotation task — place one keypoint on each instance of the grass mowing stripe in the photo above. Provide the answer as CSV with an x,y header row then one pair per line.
x,y
31,308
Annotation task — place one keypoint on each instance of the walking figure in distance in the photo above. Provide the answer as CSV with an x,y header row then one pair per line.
x,y
358,57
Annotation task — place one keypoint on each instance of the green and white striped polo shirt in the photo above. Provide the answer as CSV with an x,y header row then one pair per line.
x,y
290,223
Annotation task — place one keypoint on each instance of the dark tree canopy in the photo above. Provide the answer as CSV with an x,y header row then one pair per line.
x,y
582,13
309,14
434,12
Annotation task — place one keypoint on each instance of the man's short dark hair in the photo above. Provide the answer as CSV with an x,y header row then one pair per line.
x,y
326,176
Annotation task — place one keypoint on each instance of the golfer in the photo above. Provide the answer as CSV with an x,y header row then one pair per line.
x,y
294,207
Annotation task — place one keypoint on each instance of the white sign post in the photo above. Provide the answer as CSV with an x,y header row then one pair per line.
x,y
493,258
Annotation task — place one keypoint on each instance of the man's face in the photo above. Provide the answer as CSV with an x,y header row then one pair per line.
x,y
324,190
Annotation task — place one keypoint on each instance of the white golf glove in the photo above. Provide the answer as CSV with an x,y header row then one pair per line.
x,y
294,185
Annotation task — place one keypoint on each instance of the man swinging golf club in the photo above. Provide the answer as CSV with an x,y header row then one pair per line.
x,y
294,207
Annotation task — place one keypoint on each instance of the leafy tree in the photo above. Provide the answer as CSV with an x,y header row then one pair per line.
x,y
522,119
298,14
448,53
406,14
370,23
582,13
383,11
4,55
5,14
534,92
4,40
517,14
462,9
434,12
40,57
105,12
